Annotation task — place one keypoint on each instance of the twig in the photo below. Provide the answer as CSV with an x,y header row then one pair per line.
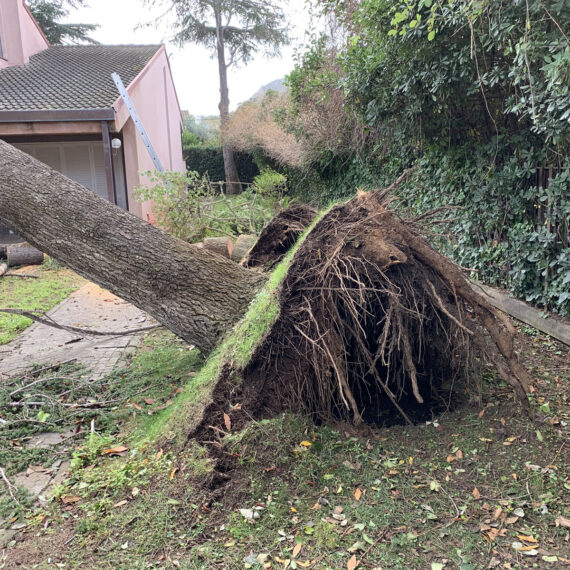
x,y
22,388
48,321
9,485
20,275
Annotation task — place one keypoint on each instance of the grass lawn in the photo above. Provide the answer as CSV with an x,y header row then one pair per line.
x,y
482,486
52,286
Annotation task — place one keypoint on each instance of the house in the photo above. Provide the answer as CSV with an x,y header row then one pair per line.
x,y
61,105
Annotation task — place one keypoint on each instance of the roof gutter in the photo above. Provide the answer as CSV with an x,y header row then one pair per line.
x,y
57,115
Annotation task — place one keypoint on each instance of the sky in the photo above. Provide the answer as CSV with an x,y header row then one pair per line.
x,y
195,72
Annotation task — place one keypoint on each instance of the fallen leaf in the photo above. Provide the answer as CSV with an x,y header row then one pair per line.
x,y
511,520
476,494
159,454
135,405
527,538
306,444
459,454
296,550
120,504
479,415
227,422
149,401
357,494
352,563
562,521
120,450
173,472
70,499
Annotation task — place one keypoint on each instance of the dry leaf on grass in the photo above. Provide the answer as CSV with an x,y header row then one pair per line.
x,y
119,450
352,563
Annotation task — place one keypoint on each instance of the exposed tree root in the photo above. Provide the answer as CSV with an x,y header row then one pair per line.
x,y
373,320
373,323
279,236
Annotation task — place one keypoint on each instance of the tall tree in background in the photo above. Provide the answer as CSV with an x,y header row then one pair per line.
x,y
48,14
235,30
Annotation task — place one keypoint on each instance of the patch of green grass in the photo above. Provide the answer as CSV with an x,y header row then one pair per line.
x,y
119,407
457,494
51,287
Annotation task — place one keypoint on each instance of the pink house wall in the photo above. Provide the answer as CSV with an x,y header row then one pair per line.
x,y
19,33
154,97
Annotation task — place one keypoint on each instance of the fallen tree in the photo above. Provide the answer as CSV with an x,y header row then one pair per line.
x,y
369,316
195,293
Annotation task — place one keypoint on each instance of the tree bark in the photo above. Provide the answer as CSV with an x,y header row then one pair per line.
x,y
233,185
195,293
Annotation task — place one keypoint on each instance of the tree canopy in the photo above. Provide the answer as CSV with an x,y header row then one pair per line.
x,y
234,30
49,14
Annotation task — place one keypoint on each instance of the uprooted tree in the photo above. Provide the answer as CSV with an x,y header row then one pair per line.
x,y
372,319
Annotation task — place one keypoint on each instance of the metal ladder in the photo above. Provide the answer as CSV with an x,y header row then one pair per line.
x,y
137,121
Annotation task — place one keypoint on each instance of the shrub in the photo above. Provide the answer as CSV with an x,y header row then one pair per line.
x,y
191,207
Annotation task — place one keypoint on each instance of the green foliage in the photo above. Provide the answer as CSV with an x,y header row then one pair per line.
x,y
270,184
191,207
506,229
477,94
48,14
244,26
206,130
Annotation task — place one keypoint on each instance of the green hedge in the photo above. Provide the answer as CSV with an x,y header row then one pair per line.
x,y
208,160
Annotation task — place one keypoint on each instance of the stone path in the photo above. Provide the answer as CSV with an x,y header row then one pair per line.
x,y
90,307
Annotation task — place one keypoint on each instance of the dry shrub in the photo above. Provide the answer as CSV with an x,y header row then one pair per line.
x,y
253,126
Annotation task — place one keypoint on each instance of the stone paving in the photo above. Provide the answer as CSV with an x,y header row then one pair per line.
x,y
90,307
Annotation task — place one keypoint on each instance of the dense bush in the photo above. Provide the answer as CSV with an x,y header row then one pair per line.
x,y
206,160
477,95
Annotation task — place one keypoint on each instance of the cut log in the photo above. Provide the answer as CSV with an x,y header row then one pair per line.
x,y
221,245
242,246
3,268
23,254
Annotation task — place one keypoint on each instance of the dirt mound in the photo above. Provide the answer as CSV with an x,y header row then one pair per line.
x,y
279,236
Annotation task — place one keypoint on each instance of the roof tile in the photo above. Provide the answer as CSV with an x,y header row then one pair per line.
x,y
71,77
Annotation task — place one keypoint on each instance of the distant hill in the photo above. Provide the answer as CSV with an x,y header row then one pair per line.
x,y
276,85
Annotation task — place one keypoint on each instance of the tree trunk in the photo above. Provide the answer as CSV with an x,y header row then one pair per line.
x,y
233,185
197,294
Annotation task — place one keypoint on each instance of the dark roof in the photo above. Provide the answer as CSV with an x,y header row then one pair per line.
x,y
63,78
